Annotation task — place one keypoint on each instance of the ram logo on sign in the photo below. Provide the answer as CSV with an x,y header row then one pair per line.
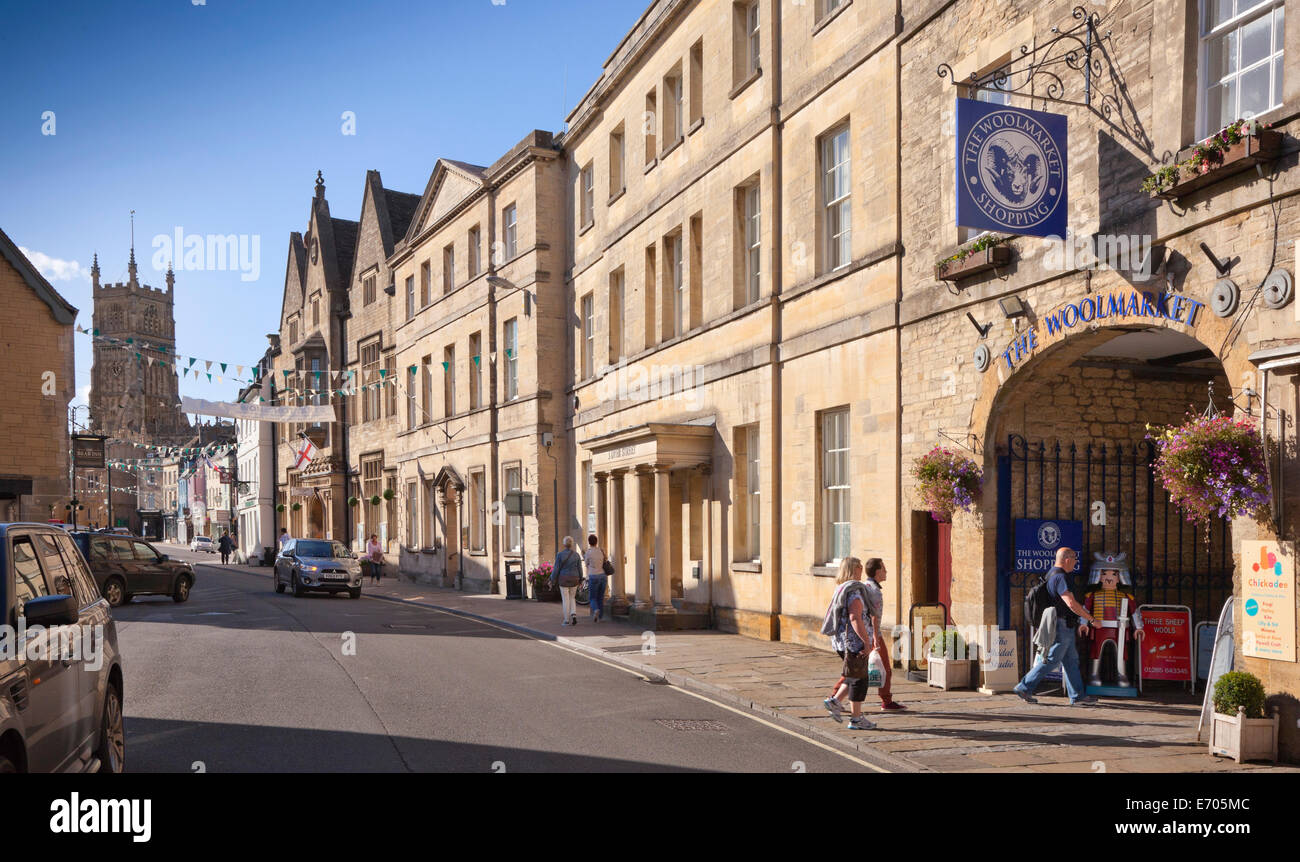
x,y
1011,169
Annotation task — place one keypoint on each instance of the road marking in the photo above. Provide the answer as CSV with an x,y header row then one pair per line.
x,y
784,730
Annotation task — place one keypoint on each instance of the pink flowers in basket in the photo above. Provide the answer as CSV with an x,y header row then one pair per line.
x,y
1213,467
946,482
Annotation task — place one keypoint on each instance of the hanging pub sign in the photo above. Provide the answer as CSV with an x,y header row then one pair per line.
x,y
1011,169
88,451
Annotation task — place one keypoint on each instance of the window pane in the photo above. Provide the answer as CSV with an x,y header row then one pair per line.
x,y
1216,12
1220,106
1277,80
1256,41
1278,28
29,583
1254,91
1221,57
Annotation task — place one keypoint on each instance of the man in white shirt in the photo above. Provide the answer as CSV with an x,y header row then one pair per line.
x,y
594,557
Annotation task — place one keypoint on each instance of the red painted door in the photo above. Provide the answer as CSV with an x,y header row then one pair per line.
x,y
943,551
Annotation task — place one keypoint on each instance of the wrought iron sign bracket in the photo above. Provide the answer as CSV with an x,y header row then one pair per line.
x,y
1068,51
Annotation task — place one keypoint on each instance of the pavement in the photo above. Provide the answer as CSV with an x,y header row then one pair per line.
x,y
941,731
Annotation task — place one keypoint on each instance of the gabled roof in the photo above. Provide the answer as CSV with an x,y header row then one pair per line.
x,y
345,247
401,210
449,184
64,312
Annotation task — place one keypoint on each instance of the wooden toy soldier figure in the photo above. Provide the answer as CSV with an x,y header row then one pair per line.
x,y
1112,602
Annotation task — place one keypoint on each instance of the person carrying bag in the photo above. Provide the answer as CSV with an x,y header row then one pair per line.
x,y
568,575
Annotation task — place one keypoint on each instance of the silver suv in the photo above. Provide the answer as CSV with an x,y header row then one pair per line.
x,y
62,710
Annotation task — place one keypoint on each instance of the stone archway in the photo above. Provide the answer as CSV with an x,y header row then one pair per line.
x,y
1083,386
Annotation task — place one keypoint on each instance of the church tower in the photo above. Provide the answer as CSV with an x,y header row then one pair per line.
x,y
130,396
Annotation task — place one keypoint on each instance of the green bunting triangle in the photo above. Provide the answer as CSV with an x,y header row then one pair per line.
x,y
509,353
383,372
209,377
475,357
414,368
444,365
223,368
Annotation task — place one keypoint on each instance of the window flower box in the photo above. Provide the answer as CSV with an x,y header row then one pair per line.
x,y
973,264
1216,160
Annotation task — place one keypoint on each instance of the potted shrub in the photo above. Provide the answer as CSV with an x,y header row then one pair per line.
x,y
1213,468
279,507
946,482
388,493
987,252
353,501
948,662
543,584
374,500
1238,728
297,506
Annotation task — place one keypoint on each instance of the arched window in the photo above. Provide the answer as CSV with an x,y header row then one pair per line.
x,y
151,320
113,317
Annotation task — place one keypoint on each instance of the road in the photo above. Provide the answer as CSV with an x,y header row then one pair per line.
x,y
240,679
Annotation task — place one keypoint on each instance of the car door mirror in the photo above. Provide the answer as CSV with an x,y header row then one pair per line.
x,y
162,558
51,611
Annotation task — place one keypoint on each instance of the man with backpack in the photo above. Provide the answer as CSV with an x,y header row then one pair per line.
x,y
1059,616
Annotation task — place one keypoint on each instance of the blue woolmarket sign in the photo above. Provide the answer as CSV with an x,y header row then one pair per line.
x,y
1037,541
1011,169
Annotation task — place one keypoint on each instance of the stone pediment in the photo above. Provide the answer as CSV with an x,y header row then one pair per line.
x,y
663,443
449,185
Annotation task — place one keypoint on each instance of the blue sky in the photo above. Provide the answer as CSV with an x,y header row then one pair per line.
x,y
214,119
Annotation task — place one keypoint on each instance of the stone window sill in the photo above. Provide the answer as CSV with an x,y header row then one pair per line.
x,y
674,145
754,567
616,196
695,126
827,19
586,227
650,165
824,571
740,88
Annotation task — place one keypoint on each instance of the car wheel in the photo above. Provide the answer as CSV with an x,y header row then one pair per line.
x,y
182,592
279,587
115,592
112,738
298,591
354,594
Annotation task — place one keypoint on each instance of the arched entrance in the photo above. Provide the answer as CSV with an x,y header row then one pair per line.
x,y
1066,438
315,517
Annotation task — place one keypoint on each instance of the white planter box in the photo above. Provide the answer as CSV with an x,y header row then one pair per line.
x,y
948,673
1244,738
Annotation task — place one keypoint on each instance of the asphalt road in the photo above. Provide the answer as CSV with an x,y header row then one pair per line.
x,y
240,679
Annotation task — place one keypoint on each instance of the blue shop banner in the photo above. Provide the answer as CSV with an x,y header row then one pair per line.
x,y
1037,541
1011,169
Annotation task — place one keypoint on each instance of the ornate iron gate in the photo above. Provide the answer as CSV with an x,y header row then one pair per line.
x,y
1171,562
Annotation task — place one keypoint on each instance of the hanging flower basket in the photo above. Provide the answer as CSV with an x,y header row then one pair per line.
x,y
374,500
297,506
946,482
279,507
388,493
1213,468
353,501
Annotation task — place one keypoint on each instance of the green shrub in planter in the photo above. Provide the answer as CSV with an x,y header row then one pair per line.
x,y
1238,688
949,645
374,501
352,501
297,506
279,507
388,493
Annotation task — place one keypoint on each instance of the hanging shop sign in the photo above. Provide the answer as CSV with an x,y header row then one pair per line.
x,y
1011,169
1110,307
1038,540
88,451
1167,642
1268,618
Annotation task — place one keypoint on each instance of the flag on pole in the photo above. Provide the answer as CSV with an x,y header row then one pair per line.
x,y
306,453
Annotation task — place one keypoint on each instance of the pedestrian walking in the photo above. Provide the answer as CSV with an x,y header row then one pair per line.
x,y
568,575
1055,635
284,537
225,545
595,559
876,574
375,555
849,626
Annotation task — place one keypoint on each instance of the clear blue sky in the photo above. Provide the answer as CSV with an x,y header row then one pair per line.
x,y
215,118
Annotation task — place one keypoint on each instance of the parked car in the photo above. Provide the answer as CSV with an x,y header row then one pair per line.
x,y
203,543
124,567
317,565
57,714
116,531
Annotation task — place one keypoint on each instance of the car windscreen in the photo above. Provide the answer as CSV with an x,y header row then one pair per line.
x,y
310,548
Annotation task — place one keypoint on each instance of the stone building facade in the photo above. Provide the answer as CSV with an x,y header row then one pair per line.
x,y
38,381
312,349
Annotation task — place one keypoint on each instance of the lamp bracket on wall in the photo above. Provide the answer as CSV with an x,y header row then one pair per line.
x,y
1040,72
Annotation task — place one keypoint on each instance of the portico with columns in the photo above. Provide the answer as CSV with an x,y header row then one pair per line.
x,y
654,516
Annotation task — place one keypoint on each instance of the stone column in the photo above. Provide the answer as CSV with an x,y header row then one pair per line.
x,y
663,583
706,503
613,541
633,524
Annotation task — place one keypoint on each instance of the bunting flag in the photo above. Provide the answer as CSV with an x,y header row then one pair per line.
x,y
475,357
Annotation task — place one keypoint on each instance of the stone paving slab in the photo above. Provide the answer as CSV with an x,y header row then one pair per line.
x,y
941,731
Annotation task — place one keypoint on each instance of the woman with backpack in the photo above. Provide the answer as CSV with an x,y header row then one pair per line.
x,y
850,630
568,575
